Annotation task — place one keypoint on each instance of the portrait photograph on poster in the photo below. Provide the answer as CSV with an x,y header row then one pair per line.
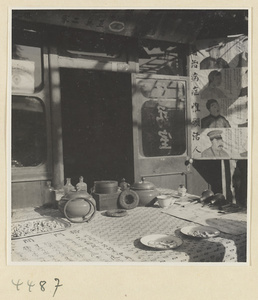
x,y
129,136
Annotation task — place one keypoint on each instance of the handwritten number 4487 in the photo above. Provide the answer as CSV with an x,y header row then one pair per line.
x,y
42,285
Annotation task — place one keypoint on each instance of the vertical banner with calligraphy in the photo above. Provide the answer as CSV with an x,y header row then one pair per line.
x,y
219,99
162,116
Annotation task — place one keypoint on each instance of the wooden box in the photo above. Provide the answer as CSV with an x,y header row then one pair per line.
x,y
106,201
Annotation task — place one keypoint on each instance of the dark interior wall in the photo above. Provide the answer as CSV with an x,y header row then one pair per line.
x,y
210,171
97,125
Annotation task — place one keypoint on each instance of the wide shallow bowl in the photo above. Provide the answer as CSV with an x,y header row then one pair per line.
x,y
203,232
116,213
161,241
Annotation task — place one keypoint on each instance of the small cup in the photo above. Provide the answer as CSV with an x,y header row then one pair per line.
x,y
164,201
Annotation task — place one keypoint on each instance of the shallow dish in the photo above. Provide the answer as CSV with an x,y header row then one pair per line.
x,y
203,232
116,213
33,227
161,241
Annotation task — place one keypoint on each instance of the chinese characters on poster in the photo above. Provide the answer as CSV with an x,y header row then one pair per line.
x,y
219,99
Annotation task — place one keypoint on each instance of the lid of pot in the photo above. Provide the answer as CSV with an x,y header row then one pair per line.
x,y
143,185
106,183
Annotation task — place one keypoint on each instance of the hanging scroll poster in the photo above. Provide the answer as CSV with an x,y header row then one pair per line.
x,y
219,99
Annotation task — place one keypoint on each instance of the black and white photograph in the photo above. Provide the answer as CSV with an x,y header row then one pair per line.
x,y
129,137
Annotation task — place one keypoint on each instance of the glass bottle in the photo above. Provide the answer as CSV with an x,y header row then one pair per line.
x,y
81,185
68,186
50,197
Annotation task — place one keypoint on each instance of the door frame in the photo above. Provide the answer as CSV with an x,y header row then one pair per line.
x,y
58,58
138,173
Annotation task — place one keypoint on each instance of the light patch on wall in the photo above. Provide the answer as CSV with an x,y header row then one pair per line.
x,y
23,76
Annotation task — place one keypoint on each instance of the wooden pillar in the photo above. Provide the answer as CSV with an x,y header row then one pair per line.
x,y
56,120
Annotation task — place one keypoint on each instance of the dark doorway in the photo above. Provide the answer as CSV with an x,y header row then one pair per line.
x,y
97,125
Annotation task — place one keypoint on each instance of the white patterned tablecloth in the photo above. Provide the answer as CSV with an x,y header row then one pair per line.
x,y
109,239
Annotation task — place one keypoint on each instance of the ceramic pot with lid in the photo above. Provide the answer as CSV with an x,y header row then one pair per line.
x,y
146,191
77,206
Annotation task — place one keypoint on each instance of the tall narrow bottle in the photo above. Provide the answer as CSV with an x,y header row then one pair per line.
x,y
81,185
68,186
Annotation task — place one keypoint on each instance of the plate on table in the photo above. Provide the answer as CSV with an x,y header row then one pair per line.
x,y
161,241
203,232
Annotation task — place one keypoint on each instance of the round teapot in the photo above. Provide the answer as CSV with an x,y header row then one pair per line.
x,y
77,206
146,191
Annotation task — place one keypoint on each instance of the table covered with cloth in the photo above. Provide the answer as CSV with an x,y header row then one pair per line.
x,y
107,239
